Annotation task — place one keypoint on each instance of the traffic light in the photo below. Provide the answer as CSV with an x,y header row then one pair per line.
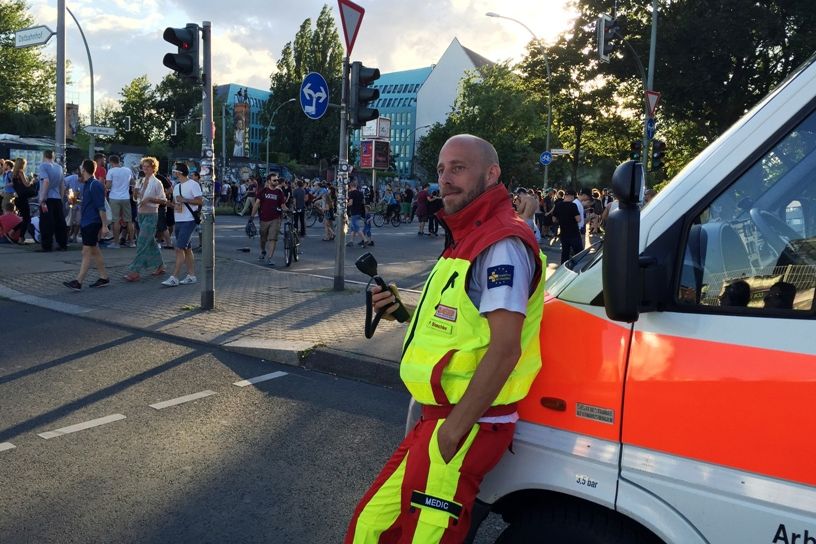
x,y
635,150
607,29
361,95
185,62
658,152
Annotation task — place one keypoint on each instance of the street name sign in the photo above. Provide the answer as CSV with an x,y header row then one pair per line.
x,y
29,37
351,16
545,158
100,131
560,151
314,95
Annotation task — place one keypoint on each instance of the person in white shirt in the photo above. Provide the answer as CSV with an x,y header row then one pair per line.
x,y
187,199
118,181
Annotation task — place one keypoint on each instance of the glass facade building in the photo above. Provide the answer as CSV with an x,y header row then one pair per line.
x,y
398,99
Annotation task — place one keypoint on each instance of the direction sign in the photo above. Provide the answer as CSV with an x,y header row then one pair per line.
x,y
29,37
545,158
314,95
100,131
651,127
351,15
652,98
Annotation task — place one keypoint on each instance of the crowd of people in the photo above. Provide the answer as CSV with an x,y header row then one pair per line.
x,y
144,211
103,203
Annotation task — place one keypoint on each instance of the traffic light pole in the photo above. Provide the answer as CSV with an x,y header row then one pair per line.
x,y
207,176
342,179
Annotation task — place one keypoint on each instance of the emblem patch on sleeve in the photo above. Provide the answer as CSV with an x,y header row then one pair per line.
x,y
500,275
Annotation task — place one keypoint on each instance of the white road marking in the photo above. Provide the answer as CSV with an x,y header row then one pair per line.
x,y
258,379
182,400
81,426
6,446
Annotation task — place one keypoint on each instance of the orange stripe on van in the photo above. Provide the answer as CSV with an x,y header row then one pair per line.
x,y
582,361
741,407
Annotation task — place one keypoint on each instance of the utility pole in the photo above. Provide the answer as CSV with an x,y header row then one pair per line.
x,y
207,175
60,117
342,179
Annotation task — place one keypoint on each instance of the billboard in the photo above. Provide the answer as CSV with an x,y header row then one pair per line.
x,y
375,154
71,121
240,123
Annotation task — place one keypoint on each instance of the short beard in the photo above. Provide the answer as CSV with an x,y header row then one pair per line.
x,y
470,196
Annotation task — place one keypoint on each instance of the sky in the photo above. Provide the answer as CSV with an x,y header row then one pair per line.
x,y
125,36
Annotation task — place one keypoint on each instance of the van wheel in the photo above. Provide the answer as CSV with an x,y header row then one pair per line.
x,y
586,524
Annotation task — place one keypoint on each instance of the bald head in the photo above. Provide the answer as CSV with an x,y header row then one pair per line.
x,y
482,148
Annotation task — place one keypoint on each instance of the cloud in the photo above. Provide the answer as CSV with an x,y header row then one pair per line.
x,y
125,36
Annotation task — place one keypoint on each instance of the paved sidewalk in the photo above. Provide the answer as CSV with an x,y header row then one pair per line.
x,y
274,314
277,315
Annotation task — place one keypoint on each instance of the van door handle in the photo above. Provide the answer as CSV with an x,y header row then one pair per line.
x,y
553,403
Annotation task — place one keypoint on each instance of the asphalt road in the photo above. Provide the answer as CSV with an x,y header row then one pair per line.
x,y
281,461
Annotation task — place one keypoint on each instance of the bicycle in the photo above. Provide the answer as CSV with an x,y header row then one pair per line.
x,y
382,216
238,205
291,240
314,215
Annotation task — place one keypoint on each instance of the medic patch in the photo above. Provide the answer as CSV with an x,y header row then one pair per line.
x,y
446,312
500,275
422,500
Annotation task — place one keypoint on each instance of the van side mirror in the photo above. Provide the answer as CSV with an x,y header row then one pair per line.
x,y
621,266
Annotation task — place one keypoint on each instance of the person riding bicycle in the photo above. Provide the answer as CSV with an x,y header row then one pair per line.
x,y
390,201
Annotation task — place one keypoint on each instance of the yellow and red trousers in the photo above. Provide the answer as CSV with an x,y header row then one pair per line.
x,y
418,497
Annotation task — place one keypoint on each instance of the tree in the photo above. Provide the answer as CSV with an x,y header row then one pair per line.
x,y
317,50
714,60
177,100
140,105
494,104
27,100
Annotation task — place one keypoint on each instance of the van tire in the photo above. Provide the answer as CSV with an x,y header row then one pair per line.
x,y
583,523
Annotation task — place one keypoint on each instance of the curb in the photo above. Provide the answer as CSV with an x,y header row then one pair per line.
x,y
306,355
353,366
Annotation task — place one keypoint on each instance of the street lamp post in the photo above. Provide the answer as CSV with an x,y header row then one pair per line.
x,y
412,135
549,90
269,128
92,146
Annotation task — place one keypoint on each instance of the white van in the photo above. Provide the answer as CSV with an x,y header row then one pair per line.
x,y
677,397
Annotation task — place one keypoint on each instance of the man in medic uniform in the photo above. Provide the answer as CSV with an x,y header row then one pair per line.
x,y
470,354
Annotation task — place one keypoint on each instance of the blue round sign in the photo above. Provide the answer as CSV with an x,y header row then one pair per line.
x,y
545,158
651,127
314,95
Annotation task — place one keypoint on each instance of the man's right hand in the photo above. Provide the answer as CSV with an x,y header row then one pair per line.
x,y
381,299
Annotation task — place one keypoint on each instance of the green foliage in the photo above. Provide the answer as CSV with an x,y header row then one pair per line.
x,y
317,50
27,100
494,104
178,100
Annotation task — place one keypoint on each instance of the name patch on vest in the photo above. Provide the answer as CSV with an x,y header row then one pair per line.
x,y
446,312
427,501
500,275
440,326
